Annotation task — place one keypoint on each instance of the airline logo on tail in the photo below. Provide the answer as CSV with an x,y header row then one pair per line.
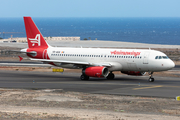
x,y
35,40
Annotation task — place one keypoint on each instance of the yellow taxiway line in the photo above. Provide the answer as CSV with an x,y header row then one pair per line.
x,y
147,87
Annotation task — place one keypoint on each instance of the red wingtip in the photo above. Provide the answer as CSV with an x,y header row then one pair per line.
x,y
20,58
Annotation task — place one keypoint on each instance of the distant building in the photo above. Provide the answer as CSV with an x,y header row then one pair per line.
x,y
24,40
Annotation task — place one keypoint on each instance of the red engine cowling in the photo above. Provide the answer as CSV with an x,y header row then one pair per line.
x,y
135,73
96,71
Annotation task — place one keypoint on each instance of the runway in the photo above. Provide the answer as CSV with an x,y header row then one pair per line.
x,y
168,87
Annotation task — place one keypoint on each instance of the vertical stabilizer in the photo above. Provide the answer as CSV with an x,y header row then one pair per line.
x,y
34,37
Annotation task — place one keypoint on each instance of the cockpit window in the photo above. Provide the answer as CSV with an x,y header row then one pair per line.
x,y
161,57
165,57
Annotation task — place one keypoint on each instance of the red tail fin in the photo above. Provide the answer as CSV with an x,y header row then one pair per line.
x,y
34,37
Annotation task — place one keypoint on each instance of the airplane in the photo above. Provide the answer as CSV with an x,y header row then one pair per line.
x,y
95,62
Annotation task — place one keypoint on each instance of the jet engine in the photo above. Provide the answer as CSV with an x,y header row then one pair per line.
x,y
96,71
134,73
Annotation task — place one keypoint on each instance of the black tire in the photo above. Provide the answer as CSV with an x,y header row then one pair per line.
x,y
151,79
110,76
84,77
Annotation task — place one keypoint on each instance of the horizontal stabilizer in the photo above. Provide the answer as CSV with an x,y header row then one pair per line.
x,y
20,58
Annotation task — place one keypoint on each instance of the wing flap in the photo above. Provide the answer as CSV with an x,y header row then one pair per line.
x,y
73,62
61,61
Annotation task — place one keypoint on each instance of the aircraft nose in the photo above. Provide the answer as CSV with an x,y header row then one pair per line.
x,y
173,65
170,65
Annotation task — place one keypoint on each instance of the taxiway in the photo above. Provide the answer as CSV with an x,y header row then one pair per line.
x,y
168,87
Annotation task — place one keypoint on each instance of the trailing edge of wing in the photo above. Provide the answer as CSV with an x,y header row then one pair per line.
x,y
74,62
61,61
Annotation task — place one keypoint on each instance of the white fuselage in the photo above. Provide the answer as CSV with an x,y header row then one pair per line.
x,y
119,59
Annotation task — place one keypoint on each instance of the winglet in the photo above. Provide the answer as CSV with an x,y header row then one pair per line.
x,y
20,58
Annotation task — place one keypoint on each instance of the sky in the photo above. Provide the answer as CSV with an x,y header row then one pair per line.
x,y
90,8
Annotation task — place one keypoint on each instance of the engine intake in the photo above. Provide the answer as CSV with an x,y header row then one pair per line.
x,y
96,71
134,73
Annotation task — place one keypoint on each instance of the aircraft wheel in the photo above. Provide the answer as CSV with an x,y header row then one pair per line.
x,y
110,76
151,80
84,77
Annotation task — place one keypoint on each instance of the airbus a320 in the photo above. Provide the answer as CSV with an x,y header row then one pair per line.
x,y
95,62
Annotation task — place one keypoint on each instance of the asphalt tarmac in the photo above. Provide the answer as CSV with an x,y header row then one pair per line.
x,y
168,87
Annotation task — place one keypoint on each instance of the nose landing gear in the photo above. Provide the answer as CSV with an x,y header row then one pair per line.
x,y
151,79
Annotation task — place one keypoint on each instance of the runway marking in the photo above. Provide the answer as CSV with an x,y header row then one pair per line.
x,y
148,87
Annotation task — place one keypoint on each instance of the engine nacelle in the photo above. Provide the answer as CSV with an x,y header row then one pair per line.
x,y
96,71
134,73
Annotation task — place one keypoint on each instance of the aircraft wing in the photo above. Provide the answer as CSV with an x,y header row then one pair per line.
x,y
73,62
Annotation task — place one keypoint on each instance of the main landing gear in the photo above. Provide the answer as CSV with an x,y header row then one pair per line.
x,y
84,77
110,76
151,79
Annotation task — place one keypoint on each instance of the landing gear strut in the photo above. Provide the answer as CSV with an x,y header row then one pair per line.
x,y
151,79
110,76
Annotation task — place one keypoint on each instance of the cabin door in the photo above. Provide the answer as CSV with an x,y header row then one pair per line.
x,y
145,58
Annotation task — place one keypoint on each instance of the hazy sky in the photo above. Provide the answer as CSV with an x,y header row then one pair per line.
x,y
90,8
